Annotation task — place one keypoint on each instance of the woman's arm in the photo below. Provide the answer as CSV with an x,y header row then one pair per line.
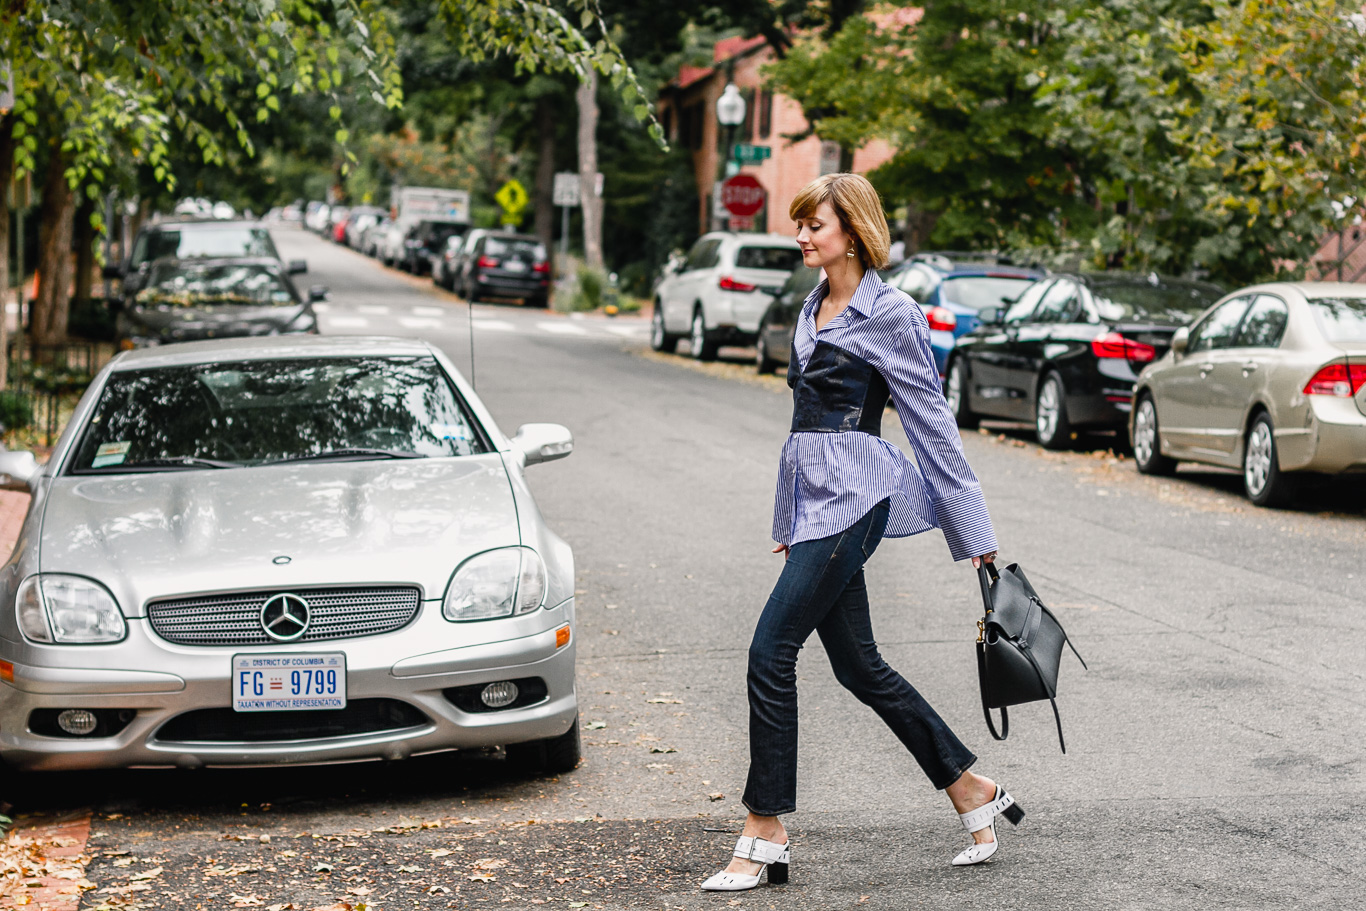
x,y
953,489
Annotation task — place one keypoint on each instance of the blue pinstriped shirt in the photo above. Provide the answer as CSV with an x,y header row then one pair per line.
x,y
828,481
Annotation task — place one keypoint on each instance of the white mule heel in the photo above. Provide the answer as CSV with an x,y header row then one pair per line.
x,y
984,817
774,857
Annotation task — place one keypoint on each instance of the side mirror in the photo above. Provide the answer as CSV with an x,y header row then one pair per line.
x,y
112,271
17,469
1181,340
297,266
992,316
543,442
317,293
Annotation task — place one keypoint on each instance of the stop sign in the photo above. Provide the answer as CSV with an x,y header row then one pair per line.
x,y
742,195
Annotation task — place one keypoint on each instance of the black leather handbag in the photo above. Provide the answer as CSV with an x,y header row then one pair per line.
x,y
1019,646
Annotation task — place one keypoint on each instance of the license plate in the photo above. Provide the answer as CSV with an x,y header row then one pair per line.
x,y
288,683
514,265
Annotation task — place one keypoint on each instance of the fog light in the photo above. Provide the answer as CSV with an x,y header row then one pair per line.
x,y
499,695
78,722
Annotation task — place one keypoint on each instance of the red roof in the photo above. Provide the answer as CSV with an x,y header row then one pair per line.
x,y
687,75
734,47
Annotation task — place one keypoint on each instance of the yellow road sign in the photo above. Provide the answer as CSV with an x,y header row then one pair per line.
x,y
512,197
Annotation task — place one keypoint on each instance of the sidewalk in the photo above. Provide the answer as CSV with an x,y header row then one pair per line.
x,y
13,506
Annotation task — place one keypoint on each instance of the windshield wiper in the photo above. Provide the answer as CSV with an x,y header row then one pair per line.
x,y
351,453
177,462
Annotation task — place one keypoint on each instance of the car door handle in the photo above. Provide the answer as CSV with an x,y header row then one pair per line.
x,y
1249,367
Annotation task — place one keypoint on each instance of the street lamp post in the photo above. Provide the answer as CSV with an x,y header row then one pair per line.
x,y
730,113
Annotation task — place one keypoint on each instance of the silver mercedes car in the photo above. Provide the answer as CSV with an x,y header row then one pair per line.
x,y
285,550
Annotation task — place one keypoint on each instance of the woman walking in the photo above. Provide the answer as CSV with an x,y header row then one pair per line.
x,y
841,490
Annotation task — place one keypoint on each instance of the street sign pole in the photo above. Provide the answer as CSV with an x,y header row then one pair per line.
x,y
564,230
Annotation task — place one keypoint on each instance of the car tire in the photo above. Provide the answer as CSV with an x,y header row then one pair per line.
x,y
956,394
540,301
1263,481
1051,426
763,363
1147,440
660,338
547,757
703,346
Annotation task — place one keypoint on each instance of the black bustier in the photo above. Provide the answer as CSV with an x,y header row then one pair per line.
x,y
838,392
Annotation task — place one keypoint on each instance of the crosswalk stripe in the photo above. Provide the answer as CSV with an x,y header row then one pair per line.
x,y
495,325
317,308
347,322
376,310
562,328
627,331
418,322
429,311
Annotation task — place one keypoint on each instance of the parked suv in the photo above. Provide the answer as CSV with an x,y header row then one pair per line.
x,y
718,295
505,264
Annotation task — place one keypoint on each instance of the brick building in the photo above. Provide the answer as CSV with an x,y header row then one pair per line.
x,y
687,111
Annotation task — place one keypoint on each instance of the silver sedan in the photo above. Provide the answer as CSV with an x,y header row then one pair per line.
x,y
1270,380
285,550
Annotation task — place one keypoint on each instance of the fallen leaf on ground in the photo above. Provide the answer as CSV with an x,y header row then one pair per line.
x,y
716,796
595,726
359,890
145,875
663,750
482,877
664,701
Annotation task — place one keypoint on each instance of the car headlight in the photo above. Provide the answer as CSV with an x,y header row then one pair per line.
x,y
68,609
496,583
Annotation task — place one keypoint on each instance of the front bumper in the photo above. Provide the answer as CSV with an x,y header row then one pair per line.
x,y
396,666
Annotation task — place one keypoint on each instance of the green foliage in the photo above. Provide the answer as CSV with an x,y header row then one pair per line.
x,y
592,291
16,413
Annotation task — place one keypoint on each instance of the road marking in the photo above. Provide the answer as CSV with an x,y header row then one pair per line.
x,y
562,328
418,322
322,308
495,325
374,309
629,331
347,322
429,311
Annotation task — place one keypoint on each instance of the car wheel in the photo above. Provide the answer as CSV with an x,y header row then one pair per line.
x,y
763,363
956,394
1263,481
703,348
1051,426
540,302
553,756
661,340
1148,441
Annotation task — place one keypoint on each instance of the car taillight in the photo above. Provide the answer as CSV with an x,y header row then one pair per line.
x,y
729,284
1114,345
488,262
942,319
540,267
1337,379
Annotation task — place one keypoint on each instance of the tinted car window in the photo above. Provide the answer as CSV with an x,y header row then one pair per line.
x,y
701,255
1264,324
1170,300
1059,304
917,281
202,241
1340,319
189,284
252,412
980,292
781,259
1218,329
1021,309
434,233
524,249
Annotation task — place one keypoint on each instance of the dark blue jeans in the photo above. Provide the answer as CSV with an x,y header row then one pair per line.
x,y
822,589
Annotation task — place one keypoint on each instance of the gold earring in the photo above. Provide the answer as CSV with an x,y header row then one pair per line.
x,y
851,252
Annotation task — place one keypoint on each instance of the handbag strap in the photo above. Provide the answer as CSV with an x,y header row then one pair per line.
x,y
982,685
1057,719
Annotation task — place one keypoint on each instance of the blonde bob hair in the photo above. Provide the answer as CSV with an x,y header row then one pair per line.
x,y
858,208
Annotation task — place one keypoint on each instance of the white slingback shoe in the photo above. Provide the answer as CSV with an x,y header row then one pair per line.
x,y
774,857
984,817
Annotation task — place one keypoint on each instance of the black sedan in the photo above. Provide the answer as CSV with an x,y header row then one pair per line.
x,y
1066,353
186,300
773,347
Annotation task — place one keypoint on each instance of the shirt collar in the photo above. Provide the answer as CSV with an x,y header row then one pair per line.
x,y
864,301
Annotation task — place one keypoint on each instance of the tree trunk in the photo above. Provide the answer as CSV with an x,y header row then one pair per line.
x,y
6,180
544,194
587,98
57,212
85,249
846,160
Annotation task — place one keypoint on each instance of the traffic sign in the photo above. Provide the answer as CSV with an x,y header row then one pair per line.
x,y
742,195
512,197
751,154
566,189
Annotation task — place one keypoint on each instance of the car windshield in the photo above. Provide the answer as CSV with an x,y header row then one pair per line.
x,y
236,413
981,292
522,249
204,241
434,233
779,259
1341,319
205,284
1173,301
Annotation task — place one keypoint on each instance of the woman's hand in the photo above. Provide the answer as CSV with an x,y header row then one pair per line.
x,y
783,549
977,561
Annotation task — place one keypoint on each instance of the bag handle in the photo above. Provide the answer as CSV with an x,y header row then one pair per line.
x,y
987,574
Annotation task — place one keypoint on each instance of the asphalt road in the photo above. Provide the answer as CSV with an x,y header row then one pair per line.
x,y
1214,746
